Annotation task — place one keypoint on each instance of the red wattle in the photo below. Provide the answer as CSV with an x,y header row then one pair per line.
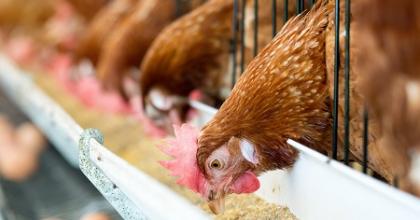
x,y
247,183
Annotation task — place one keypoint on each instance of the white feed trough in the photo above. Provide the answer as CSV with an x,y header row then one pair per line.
x,y
316,188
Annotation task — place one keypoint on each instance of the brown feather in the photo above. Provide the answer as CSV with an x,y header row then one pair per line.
x,y
189,53
25,14
282,94
100,27
88,8
126,46
389,33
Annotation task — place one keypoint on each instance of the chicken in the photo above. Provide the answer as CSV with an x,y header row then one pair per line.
x,y
39,25
126,46
101,26
377,160
190,53
26,14
282,94
390,36
88,8
209,73
62,31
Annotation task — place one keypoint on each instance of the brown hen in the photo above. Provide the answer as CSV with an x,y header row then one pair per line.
x,y
127,45
282,94
390,37
190,53
201,56
88,8
26,14
100,28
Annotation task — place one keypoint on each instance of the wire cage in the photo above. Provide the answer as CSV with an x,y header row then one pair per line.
x,y
238,63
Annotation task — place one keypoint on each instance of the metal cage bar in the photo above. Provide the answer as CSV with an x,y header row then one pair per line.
x,y
178,8
274,17
256,20
347,85
286,10
365,140
311,3
234,40
242,33
300,5
336,81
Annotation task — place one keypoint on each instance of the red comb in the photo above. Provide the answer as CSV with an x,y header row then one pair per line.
x,y
59,65
196,95
183,149
91,93
86,88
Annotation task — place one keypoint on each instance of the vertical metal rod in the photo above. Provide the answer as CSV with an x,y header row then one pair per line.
x,y
336,77
347,85
177,8
365,140
234,40
311,3
300,5
297,6
274,16
255,27
395,182
242,36
286,11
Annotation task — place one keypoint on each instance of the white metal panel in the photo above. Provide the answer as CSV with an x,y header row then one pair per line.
x,y
320,188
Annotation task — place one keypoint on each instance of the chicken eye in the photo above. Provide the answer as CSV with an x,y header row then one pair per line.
x,y
216,164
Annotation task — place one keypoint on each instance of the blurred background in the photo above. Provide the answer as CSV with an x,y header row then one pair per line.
x,y
35,181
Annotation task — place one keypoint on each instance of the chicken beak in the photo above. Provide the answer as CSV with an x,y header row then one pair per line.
x,y
217,206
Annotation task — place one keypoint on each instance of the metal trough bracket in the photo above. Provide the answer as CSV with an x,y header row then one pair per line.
x,y
109,190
